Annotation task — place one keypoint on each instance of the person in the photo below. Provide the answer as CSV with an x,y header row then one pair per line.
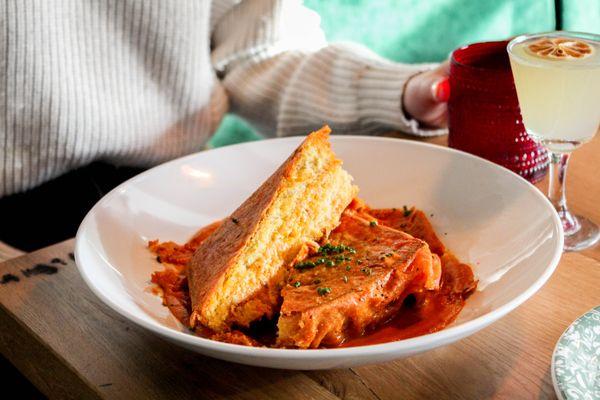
x,y
93,92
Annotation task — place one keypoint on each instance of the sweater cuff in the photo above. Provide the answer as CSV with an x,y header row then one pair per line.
x,y
380,90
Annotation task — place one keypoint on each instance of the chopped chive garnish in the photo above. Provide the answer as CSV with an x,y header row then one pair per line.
x,y
373,223
348,268
406,211
297,284
323,291
329,263
305,265
342,258
366,271
328,248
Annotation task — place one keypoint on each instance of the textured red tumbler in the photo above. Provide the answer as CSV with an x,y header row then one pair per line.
x,y
484,116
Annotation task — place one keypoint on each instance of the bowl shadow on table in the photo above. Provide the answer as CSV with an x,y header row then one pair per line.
x,y
171,371
455,371
189,373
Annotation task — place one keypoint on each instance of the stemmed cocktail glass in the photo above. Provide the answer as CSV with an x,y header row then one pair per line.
x,y
557,76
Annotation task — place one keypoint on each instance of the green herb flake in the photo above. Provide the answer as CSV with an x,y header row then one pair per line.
x,y
330,249
406,211
367,271
323,291
342,258
297,284
373,223
305,265
329,263
348,268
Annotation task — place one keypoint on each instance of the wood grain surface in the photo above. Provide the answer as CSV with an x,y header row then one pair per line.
x,y
65,341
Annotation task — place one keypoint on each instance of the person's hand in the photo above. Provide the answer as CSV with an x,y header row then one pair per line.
x,y
425,97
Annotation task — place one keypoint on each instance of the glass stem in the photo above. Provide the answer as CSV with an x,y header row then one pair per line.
x,y
557,189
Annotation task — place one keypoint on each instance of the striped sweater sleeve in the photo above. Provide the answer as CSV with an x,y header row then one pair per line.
x,y
280,74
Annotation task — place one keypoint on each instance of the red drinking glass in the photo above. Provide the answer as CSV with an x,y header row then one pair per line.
x,y
483,111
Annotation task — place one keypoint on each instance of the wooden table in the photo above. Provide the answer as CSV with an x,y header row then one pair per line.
x,y
65,341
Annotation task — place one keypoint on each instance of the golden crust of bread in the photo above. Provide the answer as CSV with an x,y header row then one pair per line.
x,y
247,255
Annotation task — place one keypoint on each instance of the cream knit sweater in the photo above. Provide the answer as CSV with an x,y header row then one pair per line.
x,y
138,82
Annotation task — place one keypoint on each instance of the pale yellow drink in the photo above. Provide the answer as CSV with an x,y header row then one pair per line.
x,y
558,86
557,76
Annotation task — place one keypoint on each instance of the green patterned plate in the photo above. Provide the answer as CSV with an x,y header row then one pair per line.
x,y
576,359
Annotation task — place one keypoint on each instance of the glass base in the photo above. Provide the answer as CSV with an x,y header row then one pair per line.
x,y
580,233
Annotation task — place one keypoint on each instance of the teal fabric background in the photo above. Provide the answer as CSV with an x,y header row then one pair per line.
x,y
581,15
428,30
421,31
232,130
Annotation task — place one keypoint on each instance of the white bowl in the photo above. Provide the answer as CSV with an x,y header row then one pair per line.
x,y
487,215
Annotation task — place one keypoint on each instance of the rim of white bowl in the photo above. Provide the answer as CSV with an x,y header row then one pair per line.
x,y
414,344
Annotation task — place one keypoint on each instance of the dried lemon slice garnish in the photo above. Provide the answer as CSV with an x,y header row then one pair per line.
x,y
560,48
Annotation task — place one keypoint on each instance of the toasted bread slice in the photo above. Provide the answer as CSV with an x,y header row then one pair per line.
x,y
357,282
235,276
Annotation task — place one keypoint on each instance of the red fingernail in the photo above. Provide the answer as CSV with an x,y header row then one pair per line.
x,y
442,90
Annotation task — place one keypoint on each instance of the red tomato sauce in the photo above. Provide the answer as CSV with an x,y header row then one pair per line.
x,y
422,312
